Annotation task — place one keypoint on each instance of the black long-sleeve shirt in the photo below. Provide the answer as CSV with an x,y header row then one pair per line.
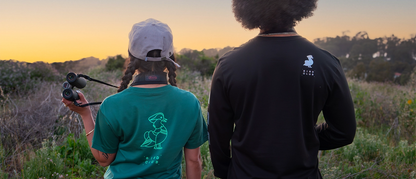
x,y
265,98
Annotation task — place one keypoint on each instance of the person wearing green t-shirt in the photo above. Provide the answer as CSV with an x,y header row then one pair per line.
x,y
142,131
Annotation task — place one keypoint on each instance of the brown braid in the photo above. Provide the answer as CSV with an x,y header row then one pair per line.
x,y
172,72
128,73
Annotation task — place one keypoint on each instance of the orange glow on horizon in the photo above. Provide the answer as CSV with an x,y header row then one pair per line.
x,y
58,31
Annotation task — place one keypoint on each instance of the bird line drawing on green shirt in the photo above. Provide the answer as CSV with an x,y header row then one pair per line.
x,y
154,138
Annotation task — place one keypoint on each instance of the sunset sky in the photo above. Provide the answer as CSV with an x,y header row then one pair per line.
x,y
58,30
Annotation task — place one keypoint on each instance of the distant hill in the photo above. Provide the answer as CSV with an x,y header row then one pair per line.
x,y
212,52
78,66
83,65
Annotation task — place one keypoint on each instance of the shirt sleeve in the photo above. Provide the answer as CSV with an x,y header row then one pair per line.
x,y
339,129
104,138
220,124
200,133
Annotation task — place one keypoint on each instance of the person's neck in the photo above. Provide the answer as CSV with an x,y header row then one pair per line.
x,y
277,33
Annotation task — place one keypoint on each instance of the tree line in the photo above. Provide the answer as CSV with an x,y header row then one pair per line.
x,y
193,60
383,59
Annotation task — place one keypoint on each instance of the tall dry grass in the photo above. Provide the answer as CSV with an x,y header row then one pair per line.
x,y
387,108
32,116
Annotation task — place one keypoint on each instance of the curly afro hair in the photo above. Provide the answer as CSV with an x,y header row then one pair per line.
x,y
272,15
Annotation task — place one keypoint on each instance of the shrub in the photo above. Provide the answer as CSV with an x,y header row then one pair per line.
x,y
197,61
369,156
21,77
74,150
77,156
14,76
115,63
365,146
46,163
71,159
403,153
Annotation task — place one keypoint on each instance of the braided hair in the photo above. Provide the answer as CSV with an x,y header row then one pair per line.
x,y
141,66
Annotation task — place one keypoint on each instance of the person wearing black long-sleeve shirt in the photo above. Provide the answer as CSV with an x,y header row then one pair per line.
x,y
265,100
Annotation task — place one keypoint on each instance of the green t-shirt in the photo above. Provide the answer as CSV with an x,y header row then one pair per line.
x,y
148,129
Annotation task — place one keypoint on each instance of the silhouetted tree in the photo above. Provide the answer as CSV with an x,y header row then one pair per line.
x,y
115,63
379,58
358,72
338,46
380,71
197,61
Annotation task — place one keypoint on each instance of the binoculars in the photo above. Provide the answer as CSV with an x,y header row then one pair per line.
x,y
72,80
79,81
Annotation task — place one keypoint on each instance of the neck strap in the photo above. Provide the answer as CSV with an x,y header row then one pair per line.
x,y
150,78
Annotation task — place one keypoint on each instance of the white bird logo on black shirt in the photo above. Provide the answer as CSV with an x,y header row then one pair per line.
x,y
309,62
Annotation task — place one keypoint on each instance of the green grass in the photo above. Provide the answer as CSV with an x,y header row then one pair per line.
x,y
70,159
369,156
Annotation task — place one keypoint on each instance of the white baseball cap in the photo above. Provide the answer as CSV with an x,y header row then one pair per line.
x,y
151,35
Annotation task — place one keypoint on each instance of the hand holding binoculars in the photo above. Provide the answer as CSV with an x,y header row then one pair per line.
x,y
77,80
72,80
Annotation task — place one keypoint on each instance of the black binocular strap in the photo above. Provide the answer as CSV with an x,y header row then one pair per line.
x,y
88,104
92,79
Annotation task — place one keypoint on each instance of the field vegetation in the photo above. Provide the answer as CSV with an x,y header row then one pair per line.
x,y
40,138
